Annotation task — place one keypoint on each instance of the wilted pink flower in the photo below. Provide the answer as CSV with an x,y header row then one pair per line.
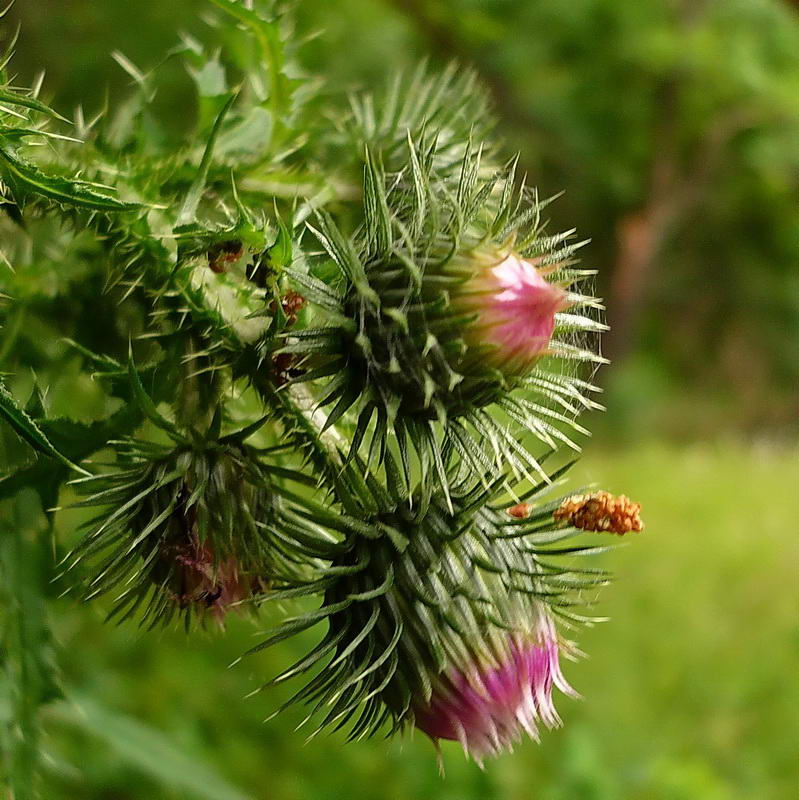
x,y
517,308
488,708
204,583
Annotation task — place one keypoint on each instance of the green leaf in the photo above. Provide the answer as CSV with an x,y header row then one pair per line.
x,y
267,33
158,376
280,253
25,178
188,213
13,98
247,139
27,673
76,440
148,749
30,431
146,404
211,79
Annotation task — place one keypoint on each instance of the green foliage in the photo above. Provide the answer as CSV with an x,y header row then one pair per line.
x,y
29,678
145,749
679,118
28,429
25,180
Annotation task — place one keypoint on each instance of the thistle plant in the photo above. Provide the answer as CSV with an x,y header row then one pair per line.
x,y
337,357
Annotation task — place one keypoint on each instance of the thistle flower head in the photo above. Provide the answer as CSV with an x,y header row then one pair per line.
x,y
515,307
182,529
487,708
442,620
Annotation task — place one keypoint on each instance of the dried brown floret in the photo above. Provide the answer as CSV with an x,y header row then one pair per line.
x,y
222,254
292,303
601,511
520,510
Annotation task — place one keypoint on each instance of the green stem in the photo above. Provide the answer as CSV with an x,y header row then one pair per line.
x,y
11,331
26,664
319,448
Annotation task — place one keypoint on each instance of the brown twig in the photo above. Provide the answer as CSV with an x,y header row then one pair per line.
x,y
676,191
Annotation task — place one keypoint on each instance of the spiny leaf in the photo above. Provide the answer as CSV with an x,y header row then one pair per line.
x,y
188,213
30,431
26,101
147,405
25,178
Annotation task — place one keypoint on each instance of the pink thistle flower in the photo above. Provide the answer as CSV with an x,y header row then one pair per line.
x,y
488,708
517,308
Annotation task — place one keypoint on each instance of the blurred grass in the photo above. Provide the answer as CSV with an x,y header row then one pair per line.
x,y
689,689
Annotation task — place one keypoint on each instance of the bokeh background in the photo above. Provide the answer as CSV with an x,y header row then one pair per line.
x,y
673,127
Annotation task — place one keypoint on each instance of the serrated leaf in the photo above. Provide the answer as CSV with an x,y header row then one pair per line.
x,y
25,178
26,101
30,430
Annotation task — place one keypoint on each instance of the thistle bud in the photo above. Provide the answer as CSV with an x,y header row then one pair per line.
x,y
442,621
515,307
449,301
183,529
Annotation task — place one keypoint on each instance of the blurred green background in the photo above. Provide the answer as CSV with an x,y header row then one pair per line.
x,y
673,127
